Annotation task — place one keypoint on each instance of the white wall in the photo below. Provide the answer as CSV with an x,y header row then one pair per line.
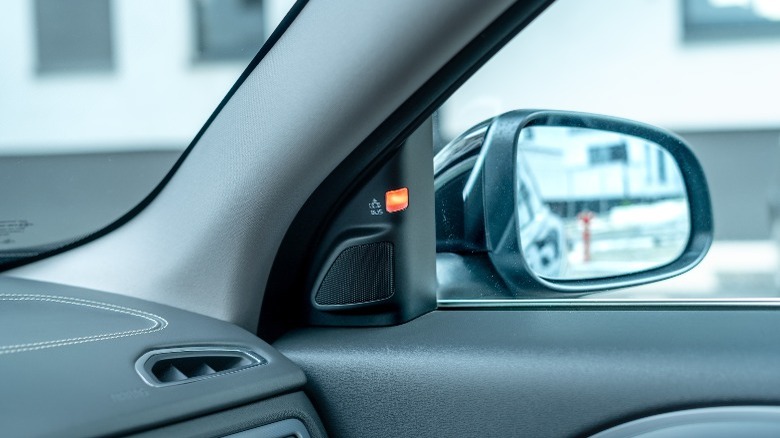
x,y
617,57
156,97
625,58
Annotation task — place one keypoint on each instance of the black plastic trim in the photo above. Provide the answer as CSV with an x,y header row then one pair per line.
x,y
500,149
146,364
411,233
286,290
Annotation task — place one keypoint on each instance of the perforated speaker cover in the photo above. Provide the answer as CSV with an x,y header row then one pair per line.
x,y
360,274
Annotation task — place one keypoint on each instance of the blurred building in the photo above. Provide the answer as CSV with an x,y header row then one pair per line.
x,y
121,75
706,69
126,84
576,170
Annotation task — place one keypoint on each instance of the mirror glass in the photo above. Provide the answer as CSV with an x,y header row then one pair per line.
x,y
593,203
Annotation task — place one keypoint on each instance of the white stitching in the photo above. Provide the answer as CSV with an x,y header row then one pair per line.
x,y
158,322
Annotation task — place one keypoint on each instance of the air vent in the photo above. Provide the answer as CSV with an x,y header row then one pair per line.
x,y
183,365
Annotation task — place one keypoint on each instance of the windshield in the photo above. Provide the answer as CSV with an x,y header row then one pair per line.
x,y
98,99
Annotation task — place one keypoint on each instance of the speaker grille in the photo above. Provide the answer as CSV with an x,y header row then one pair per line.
x,y
360,274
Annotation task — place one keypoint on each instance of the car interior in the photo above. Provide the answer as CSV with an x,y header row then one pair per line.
x,y
313,265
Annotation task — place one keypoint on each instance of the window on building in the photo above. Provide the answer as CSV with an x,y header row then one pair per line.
x,y
73,35
730,19
228,29
661,166
615,153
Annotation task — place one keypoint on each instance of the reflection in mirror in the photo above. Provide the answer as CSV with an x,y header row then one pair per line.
x,y
594,203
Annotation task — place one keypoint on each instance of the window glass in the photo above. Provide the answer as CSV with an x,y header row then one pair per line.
x,y
228,29
730,19
98,98
81,43
635,59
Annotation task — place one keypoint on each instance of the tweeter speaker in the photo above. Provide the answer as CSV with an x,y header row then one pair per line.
x,y
361,274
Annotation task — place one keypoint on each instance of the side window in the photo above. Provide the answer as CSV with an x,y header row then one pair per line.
x,y
682,65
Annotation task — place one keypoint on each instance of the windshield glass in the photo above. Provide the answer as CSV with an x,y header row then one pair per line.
x,y
99,98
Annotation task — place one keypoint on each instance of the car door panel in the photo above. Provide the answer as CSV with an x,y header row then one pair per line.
x,y
535,372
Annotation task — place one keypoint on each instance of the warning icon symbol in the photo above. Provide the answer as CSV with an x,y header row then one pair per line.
x,y
375,208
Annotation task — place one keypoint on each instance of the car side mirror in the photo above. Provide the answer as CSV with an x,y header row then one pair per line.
x,y
579,202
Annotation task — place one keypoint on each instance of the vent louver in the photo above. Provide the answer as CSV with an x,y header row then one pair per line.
x,y
183,365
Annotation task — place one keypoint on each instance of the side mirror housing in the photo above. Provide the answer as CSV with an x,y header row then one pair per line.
x,y
574,202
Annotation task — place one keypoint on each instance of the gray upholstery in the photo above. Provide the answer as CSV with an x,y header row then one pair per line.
x,y
67,359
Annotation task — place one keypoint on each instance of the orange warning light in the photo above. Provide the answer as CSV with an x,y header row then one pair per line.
x,y
397,200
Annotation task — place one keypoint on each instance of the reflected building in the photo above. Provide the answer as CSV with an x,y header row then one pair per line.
x,y
577,170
